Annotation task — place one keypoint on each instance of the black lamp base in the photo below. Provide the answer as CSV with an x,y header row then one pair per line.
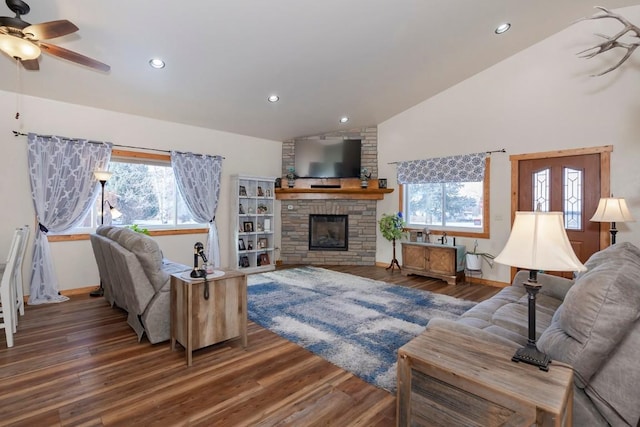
x,y
531,355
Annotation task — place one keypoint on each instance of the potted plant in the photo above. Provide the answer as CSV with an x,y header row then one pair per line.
x,y
392,228
474,258
291,177
138,229
364,177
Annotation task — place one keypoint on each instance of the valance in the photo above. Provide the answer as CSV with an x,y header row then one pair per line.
x,y
461,168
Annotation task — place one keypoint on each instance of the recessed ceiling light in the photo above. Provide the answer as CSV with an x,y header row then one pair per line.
x,y
502,28
156,63
344,119
274,98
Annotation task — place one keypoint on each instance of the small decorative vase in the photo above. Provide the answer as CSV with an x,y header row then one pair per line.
x,y
291,183
364,183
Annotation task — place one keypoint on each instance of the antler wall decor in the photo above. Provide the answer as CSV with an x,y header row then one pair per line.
x,y
614,41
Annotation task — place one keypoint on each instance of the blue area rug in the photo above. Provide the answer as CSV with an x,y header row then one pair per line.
x,y
355,323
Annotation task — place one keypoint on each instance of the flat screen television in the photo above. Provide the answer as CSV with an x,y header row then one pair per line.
x,y
327,158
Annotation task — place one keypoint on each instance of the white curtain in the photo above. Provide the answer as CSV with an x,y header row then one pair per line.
x,y
63,189
198,179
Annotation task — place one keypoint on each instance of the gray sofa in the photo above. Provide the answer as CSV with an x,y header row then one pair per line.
x,y
590,323
136,278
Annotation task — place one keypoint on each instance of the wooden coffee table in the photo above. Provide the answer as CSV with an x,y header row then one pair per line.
x,y
197,322
446,379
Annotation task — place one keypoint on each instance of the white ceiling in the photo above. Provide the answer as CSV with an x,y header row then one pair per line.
x,y
367,59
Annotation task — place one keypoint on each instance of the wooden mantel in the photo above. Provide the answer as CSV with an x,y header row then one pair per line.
x,y
331,189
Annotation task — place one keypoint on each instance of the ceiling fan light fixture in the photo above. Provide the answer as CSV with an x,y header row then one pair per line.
x,y
17,47
273,98
156,63
344,119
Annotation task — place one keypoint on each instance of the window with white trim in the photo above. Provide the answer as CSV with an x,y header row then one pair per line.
x,y
446,193
445,206
144,191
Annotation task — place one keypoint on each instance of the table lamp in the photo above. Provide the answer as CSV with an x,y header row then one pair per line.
x,y
538,241
612,209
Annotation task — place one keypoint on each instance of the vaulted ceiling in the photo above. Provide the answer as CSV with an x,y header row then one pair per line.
x,y
365,59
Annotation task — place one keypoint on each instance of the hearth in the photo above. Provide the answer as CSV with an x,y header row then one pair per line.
x,y
328,232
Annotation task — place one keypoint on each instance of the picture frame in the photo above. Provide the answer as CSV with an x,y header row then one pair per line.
x,y
266,226
248,226
268,193
260,192
263,259
259,227
263,243
241,209
250,245
244,261
382,183
242,191
241,246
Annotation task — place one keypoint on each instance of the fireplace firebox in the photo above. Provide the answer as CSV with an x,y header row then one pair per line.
x,y
328,232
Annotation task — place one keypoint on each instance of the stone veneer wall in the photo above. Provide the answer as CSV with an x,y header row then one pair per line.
x,y
369,152
294,222
295,232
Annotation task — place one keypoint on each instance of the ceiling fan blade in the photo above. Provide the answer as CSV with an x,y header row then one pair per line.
x,y
50,30
30,64
73,56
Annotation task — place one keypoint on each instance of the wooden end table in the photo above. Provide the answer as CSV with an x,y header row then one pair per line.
x,y
197,322
446,378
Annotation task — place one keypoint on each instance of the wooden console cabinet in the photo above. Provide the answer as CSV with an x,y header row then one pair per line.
x,y
197,322
446,378
432,260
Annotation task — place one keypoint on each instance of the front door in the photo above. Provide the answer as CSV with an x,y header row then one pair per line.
x,y
570,185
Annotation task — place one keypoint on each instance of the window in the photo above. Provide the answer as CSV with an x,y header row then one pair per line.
x,y
445,205
460,207
143,189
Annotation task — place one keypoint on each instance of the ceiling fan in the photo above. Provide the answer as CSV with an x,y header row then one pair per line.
x,y
24,42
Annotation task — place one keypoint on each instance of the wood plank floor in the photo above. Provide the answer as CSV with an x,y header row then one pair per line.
x,y
79,363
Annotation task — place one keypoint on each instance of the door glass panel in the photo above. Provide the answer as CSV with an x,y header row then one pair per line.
x,y
572,200
541,198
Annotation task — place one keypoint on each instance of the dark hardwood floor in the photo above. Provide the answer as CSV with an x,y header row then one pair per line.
x,y
79,363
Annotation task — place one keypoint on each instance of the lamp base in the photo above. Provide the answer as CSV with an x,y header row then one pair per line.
x,y
531,355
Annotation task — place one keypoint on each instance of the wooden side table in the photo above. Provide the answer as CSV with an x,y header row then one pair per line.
x,y
197,322
450,379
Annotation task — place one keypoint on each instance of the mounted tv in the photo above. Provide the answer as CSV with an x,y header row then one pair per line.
x,y
327,158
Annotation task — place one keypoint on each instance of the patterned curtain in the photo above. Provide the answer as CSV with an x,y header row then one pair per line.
x,y
198,179
462,168
63,189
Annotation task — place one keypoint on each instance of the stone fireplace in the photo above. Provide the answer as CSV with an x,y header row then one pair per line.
x,y
361,233
358,210
328,232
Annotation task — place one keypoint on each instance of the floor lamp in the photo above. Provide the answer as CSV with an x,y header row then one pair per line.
x,y
103,177
612,209
538,241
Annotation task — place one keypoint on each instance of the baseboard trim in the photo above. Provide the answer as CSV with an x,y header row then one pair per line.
x,y
70,292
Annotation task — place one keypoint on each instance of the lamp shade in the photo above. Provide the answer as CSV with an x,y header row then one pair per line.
x,y
612,209
102,175
538,241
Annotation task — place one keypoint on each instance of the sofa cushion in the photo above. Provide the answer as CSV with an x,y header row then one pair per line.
x,y
148,253
600,312
506,314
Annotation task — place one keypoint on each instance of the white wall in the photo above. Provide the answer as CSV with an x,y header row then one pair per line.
x,y
541,99
74,262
